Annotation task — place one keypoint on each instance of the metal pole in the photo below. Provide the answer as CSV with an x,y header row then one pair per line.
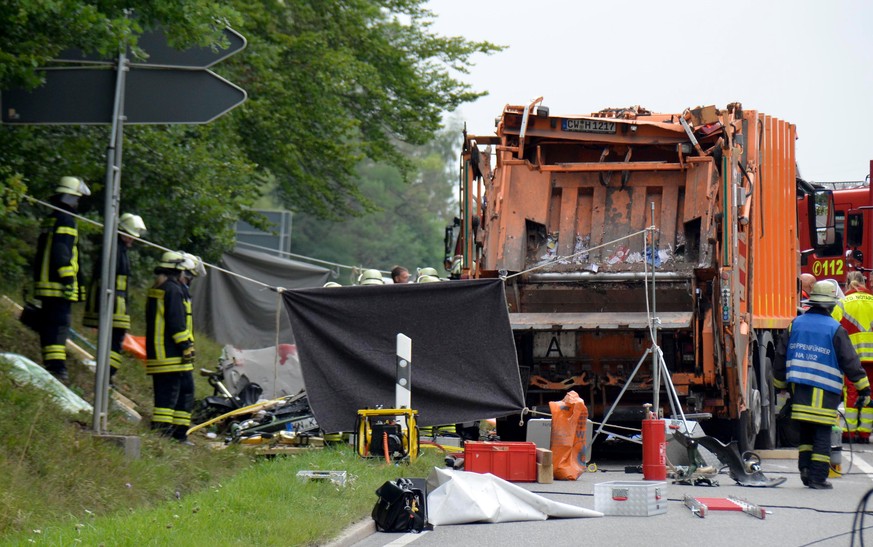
x,y
656,368
110,226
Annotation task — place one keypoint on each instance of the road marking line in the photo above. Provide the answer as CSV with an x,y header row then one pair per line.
x,y
862,465
406,539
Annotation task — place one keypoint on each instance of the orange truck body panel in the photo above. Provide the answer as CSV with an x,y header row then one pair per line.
x,y
564,214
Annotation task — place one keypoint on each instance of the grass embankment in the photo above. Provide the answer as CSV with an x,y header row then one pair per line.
x,y
63,486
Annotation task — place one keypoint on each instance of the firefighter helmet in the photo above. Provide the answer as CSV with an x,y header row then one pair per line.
x,y
428,279
823,292
73,186
174,260
426,271
194,264
371,277
332,284
131,224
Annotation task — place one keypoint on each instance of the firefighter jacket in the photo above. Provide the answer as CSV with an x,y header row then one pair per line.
x,y
855,314
812,356
56,267
120,316
169,328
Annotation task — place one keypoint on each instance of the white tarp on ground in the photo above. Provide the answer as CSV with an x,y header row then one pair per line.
x,y
278,375
459,497
26,371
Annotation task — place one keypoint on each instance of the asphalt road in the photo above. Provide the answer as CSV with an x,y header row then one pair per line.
x,y
796,515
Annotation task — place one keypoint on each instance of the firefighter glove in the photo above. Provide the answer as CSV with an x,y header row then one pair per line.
x,y
188,357
863,398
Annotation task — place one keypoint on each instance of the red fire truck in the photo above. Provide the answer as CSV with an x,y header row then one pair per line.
x,y
835,228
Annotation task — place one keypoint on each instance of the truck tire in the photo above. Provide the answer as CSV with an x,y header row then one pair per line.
x,y
767,434
750,419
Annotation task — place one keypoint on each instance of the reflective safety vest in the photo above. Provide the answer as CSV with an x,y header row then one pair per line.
x,y
56,266
811,358
855,314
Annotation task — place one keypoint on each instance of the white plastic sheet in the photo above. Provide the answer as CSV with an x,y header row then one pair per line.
x,y
27,372
459,497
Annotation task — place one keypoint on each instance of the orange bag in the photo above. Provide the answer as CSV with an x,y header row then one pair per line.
x,y
135,345
569,436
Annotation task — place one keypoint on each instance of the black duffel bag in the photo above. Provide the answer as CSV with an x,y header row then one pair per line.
x,y
400,507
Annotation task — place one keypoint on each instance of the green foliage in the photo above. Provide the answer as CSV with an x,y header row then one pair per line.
x,y
408,225
332,83
34,32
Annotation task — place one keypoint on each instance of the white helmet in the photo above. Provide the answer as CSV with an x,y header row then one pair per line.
x,y
428,279
194,265
332,284
73,186
131,224
371,277
426,271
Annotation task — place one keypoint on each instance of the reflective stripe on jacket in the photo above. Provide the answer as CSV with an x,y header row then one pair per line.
x,y
169,327
56,266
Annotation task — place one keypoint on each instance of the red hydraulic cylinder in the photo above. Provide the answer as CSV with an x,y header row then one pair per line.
x,y
654,450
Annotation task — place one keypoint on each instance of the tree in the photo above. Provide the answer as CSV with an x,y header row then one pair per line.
x,y
409,224
332,84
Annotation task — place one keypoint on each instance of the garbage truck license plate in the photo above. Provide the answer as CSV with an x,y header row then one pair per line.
x,y
588,126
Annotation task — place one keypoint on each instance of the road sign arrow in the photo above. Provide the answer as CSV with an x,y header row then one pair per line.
x,y
154,42
154,96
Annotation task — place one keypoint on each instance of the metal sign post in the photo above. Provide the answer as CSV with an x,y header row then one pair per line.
x,y
110,252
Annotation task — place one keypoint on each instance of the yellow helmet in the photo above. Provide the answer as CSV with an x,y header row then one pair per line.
x,y
428,279
131,224
174,260
371,277
73,186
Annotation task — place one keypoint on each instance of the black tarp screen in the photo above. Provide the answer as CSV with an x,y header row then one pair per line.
x,y
464,365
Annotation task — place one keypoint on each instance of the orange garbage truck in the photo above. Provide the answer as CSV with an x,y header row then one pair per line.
x,y
625,233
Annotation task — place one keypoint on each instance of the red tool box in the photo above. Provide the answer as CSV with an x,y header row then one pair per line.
x,y
512,461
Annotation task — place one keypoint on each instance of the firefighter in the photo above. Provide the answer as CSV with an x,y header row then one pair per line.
x,y
130,226
855,314
56,273
170,346
811,358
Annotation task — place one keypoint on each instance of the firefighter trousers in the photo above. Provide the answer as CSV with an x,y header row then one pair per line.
x,y
814,450
53,333
174,401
